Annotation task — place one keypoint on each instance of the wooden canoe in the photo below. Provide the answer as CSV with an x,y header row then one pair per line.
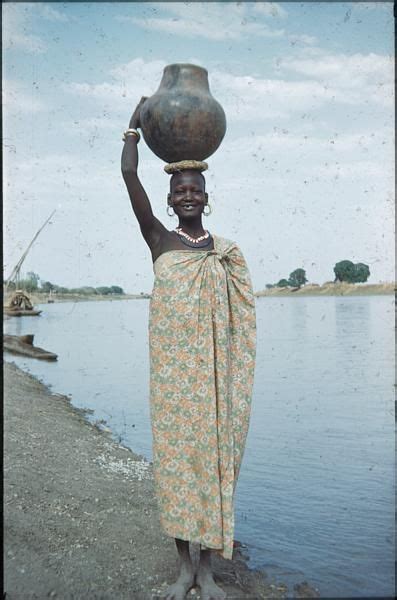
x,y
23,345
21,312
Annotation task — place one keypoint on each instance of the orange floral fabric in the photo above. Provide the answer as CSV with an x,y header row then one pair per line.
x,y
202,337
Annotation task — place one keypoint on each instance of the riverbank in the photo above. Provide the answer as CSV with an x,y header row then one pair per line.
x,y
310,289
332,289
80,513
43,298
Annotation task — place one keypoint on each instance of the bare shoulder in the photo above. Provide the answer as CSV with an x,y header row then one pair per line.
x,y
160,239
156,235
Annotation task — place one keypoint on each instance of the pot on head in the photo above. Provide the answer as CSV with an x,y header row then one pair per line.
x,y
182,120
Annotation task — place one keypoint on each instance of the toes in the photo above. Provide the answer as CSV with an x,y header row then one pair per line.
x,y
177,591
212,592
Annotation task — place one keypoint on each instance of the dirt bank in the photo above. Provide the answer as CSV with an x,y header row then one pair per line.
x,y
80,514
332,289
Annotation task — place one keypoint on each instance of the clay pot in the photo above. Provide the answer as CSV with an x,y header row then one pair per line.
x,y
182,120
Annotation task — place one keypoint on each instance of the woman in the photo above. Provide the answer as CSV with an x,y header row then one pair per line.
x,y
202,358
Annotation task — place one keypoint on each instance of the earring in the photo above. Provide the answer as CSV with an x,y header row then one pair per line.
x,y
207,214
168,213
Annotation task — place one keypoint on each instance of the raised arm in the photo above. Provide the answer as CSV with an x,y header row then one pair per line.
x,y
151,228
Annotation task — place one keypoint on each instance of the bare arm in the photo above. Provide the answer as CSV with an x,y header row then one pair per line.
x,y
151,228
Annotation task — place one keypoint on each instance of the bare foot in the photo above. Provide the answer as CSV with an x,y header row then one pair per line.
x,y
208,587
179,589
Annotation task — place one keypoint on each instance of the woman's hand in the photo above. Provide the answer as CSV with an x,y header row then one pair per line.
x,y
135,119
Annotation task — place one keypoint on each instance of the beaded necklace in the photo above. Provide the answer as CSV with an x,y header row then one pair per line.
x,y
201,242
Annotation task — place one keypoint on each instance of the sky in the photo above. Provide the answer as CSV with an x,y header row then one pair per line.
x,y
302,179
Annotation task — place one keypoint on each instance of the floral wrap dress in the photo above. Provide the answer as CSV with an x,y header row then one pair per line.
x,y
202,338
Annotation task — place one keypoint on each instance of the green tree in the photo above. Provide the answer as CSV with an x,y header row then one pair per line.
x,y
362,272
283,283
84,290
116,289
269,286
297,278
47,286
104,290
344,271
31,282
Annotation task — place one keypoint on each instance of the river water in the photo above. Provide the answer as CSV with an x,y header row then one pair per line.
x,y
315,498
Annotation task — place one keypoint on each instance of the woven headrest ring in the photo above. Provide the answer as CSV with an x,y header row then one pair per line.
x,y
183,165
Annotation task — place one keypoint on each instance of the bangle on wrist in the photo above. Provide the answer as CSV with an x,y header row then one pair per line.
x,y
130,131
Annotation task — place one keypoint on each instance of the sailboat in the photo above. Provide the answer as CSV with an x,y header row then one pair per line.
x,y
20,304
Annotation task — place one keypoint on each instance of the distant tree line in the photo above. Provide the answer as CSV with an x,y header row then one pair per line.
x,y
344,270
33,283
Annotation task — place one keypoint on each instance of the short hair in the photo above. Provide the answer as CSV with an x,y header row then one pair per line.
x,y
175,175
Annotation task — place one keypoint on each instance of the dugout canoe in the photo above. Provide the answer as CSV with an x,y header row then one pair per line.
x,y
23,345
21,312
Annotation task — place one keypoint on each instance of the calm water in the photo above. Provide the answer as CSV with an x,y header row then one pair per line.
x,y
315,497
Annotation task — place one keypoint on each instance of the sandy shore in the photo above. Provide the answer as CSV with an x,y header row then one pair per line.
x,y
332,289
80,513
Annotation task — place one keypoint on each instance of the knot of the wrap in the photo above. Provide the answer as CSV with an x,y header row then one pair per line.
x,y
222,256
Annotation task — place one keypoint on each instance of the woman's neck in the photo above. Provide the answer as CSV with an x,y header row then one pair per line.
x,y
193,228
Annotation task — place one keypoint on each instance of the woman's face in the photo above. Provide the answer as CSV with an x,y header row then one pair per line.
x,y
187,195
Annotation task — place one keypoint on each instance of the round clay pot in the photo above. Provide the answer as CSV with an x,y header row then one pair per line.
x,y
182,120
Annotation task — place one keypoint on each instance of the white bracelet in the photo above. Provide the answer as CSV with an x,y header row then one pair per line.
x,y
129,132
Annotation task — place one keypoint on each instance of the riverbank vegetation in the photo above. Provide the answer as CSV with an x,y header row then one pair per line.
x,y
350,279
331,288
344,270
347,282
33,284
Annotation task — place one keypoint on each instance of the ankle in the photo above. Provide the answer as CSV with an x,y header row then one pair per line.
x,y
186,565
204,571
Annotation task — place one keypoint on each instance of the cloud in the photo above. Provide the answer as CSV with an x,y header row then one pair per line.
x,y
271,9
199,28
318,81
18,98
247,98
352,79
18,20
347,69
326,81
51,14
292,184
373,6
304,39
282,156
235,9
127,84
212,21
292,189
16,25
140,71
